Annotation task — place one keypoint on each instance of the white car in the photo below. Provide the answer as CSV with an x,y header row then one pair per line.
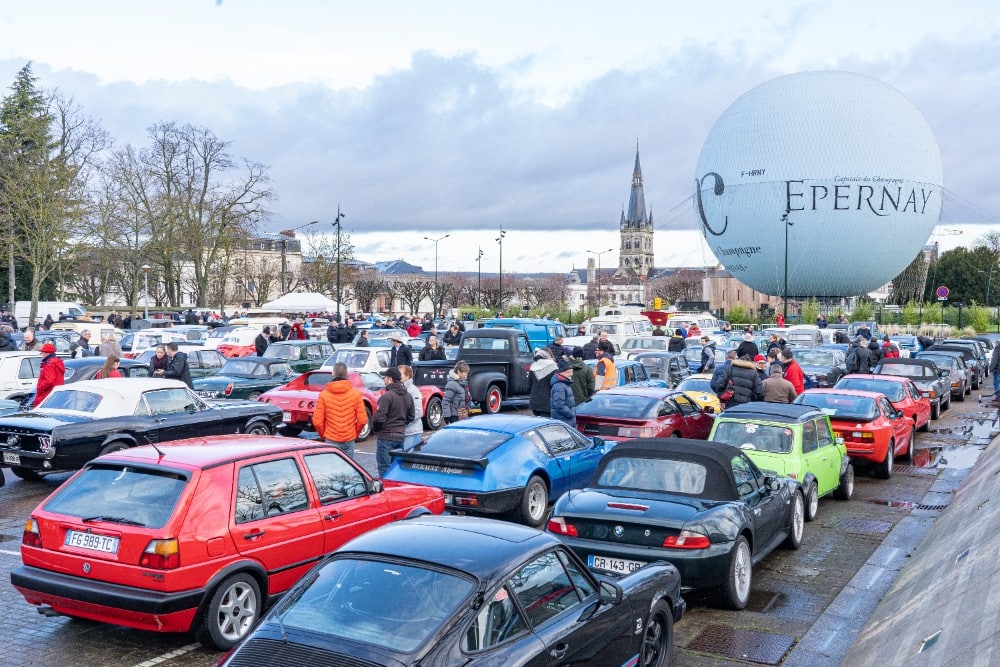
x,y
18,374
137,342
372,359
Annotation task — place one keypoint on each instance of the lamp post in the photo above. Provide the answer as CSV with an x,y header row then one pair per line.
x,y
336,223
499,240
479,283
437,293
284,246
788,224
593,252
145,291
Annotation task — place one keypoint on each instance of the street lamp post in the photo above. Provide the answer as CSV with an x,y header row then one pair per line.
x,y
336,223
499,240
788,223
598,254
284,246
479,283
145,291
437,293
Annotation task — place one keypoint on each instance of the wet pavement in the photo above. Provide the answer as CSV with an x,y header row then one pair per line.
x,y
807,606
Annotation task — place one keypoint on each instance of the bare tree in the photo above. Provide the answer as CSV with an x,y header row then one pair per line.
x,y
412,291
319,271
546,290
684,285
367,287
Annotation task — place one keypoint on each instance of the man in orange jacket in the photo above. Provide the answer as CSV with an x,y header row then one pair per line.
x,y
340,411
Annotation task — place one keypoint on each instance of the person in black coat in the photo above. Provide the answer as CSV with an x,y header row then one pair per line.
x,y
177,367
746,382
747,349
590,349
432,351
261,342
401,354
676,342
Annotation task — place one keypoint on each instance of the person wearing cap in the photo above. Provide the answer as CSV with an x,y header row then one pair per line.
x,y
707,355
760,362
562,401
401,354
340,414
605,373
777,389
394,412
583,379
747,349
262,340
51,374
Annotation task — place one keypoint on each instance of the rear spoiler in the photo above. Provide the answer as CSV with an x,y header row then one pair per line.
x,y
435,460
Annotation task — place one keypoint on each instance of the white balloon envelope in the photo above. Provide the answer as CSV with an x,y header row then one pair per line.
x,y
843,163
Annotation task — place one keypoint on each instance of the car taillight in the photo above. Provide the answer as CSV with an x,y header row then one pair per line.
x,y
31,537
263,399
559,526
312,405
635,432
229,389
687,540
161,555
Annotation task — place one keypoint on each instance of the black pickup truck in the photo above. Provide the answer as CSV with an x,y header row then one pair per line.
x,y
498,367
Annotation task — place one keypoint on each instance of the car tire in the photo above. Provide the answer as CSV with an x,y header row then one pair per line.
x,y
252,396
975,382
935,412
947,405
927,424
812,502
909,446
27,474
491,403
796,523
735,592
230,613
884,469
115,446
658,639
846,488
367,430
434,418
258,428
534,502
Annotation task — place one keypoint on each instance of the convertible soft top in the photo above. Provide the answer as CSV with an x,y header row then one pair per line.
x,y
715,457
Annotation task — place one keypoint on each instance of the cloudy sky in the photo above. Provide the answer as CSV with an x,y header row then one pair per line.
x,y
425,118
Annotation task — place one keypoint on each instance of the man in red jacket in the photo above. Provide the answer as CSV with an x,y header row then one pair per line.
x,y
793,372
51,374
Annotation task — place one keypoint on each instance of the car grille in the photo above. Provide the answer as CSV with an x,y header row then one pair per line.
x,y
273,653
24,439
631,533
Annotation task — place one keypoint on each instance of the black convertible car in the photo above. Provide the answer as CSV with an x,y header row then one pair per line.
x,y
80,421
703,506
453,590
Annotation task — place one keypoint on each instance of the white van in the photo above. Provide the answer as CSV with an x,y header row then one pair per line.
x,y
620,327
707,324
804,335
22,309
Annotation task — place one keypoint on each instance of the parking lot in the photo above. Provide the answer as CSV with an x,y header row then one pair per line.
x,y
791,589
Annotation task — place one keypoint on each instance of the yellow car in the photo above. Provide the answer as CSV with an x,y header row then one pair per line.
x,y
698,387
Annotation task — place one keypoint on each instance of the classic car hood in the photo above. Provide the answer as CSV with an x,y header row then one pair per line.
x,y
221,381
230,404
663,508
293,394
38,421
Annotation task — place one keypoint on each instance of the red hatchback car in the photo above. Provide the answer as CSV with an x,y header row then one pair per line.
x,y
198,535
872,429
901,392
623,413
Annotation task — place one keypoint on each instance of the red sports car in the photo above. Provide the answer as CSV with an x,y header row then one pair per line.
x,y
623,413
872,429
197,535
901,392
297,400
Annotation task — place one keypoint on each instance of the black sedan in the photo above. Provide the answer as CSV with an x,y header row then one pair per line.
x,y
80,421
703,506
452,590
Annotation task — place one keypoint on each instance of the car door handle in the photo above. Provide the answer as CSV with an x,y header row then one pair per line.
x,y
255,535
559,652
333,517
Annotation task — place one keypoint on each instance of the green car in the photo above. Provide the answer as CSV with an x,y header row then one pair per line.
x,y
245,377
792,440
301,355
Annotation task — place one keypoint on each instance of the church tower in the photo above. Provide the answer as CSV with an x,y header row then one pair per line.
x,y
636,231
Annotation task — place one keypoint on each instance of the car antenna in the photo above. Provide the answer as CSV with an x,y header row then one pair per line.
x,y
158,450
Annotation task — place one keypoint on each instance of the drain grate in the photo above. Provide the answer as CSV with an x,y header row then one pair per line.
x,y
932,508
916,471
866,526
749,645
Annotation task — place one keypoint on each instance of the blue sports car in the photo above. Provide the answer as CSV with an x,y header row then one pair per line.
x,y
501,464
632,373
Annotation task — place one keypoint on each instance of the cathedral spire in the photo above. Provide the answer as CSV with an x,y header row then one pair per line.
x,y
636,229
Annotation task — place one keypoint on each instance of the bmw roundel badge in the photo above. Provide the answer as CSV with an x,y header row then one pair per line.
x,y
619,531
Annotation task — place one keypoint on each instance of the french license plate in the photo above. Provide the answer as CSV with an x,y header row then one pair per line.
x,y
286,416
619,565
102,543
11,459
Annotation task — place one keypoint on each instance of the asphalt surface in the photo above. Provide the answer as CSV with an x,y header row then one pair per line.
x,y
808,607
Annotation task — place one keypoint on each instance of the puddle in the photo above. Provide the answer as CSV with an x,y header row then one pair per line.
x,y
977,431
900,504
958,458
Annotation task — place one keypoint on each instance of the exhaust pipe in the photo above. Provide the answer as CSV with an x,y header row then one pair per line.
x,y
48,611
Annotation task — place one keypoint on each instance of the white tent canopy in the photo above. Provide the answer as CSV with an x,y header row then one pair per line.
x,y
302,302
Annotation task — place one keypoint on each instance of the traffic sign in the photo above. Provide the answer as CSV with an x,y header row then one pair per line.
x,y
942,292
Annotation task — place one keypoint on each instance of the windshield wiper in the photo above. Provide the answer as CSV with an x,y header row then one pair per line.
x,y
113,519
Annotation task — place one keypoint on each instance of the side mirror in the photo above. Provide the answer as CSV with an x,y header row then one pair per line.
x,y
377,486
772,483
610,593
598,442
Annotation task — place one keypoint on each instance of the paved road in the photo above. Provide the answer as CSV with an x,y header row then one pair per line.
x,y
791,590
